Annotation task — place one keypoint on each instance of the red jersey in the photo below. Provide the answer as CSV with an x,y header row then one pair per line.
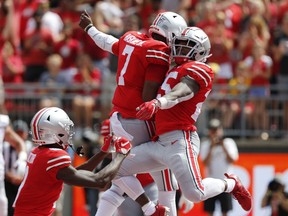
x,y
40,188
136,51
184,115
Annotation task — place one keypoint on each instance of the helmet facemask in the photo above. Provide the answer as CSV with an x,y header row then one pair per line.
x,y
189,47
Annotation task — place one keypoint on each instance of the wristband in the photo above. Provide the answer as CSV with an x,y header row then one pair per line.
x,y
163,103
88,27
22,155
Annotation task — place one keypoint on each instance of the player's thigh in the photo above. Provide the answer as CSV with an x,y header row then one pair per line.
x,y
165,180
182,159
138,130
142,159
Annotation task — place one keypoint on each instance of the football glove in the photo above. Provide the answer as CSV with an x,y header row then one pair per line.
x,y
146,110
108,145
122,145
105,127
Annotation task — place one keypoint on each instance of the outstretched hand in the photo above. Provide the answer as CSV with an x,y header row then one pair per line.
x,y
116,144
85,20
146,110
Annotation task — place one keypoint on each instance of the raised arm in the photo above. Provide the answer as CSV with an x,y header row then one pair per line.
x,y
102,40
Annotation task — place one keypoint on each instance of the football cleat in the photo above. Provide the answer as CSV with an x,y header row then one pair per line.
x,y
240,193
161,211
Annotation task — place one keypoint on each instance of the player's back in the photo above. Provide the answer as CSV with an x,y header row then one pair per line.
x,y
184,115
40,187
135,52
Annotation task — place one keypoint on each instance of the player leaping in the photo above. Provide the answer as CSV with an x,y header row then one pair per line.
x,y
142,64
176,110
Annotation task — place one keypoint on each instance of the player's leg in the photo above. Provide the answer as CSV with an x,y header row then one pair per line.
x,y
167,186
182,148
131,208
137,131
140,160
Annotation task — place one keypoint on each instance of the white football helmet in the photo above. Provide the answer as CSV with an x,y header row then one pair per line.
x,y
52,125
193,44
167,25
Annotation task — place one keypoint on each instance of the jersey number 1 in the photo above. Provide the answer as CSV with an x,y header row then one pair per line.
x,y
128,50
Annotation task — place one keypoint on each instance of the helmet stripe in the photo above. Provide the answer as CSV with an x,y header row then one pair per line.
x,y
35,122
185,31
157,18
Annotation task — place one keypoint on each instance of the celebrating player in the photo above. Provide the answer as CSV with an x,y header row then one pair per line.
x,y
49,165
176,110
142,64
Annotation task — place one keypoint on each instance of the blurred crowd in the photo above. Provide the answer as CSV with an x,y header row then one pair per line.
x,y
41,42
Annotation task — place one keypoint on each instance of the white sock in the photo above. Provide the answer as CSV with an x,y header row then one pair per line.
x,y
230,185
148,208
167,198
109,203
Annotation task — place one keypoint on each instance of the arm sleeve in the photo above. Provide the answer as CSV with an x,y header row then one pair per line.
x,y
104,41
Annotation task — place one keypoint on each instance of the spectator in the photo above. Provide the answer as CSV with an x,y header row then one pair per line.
x,y
280,55
68,48
88,82
256,32
148,12
218,154
53,82
259,68
12,65
275,197
13,175
38,45
50,20
222,44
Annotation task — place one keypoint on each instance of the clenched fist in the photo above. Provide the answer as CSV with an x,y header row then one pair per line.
x,y
85,21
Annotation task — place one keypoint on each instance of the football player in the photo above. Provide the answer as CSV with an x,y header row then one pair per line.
x,y
176,110
143,61
49,165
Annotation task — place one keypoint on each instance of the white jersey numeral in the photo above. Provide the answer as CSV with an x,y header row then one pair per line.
x,y
128,50
165,86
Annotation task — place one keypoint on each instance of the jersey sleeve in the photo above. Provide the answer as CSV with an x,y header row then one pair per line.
x,y
158,54
57,160
115,48
200,72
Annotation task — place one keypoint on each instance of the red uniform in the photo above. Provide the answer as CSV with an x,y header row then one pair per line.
x,y
40,188
135,53
184,115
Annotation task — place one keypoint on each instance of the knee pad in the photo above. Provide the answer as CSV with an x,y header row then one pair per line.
x,y
129,185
